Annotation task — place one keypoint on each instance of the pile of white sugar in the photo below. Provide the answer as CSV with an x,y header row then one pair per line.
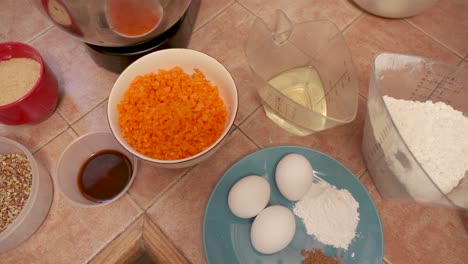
x,y
331,216
436,134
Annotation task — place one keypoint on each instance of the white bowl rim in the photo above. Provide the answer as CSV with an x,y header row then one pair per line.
x,y
178,161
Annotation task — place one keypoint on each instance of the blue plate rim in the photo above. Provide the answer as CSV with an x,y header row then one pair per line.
x,y
276,147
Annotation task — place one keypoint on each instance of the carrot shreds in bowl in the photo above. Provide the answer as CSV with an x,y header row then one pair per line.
x,y
171,115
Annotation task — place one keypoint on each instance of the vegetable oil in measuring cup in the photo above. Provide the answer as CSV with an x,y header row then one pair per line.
x,y
302,86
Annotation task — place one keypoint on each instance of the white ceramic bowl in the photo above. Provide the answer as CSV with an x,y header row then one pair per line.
x,y
36,207
187,59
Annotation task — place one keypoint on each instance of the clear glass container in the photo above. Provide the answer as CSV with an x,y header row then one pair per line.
x,y
305,76
396,172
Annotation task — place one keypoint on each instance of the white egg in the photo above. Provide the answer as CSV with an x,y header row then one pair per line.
x,y
249,196
273,229
294,176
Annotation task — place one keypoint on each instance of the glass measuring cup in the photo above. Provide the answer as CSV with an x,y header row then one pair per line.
x,y
394,168
304,73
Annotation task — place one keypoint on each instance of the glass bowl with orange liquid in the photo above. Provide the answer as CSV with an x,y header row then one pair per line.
x,y
133,19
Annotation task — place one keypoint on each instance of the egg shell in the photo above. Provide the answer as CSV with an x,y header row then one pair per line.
x,y
294,176
249,196
273,229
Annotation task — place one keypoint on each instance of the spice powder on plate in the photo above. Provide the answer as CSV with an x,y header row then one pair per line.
x,y
15,186
317,256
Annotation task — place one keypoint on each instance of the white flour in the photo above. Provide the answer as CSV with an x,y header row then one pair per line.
x,y
436,135
332,216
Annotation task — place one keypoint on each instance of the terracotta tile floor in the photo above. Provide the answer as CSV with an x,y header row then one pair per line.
x,y
447,24
175,199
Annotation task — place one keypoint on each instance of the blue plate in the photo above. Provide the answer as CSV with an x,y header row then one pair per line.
x,y
226,238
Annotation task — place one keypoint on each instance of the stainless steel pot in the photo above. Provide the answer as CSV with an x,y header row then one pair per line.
x,y
107,22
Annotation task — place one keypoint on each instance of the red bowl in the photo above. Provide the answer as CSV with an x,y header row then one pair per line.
x,y
39,103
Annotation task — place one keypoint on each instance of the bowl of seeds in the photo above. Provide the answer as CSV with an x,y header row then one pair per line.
x,y
25,194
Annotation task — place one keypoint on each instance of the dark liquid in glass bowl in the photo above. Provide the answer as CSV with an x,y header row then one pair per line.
x,y
104,175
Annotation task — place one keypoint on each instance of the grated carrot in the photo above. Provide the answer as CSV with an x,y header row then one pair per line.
x,y
171,115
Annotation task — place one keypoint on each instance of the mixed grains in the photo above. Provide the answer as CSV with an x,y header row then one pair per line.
x,y
15,186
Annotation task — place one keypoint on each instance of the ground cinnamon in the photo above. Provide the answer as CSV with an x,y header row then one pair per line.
x,y
317,256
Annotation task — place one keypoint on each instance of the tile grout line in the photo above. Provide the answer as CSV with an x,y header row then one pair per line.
x,y
433,38
169,187
345,27
41,33
134,204
141,207
461,62
362,174
351,23
139,214
52,170
249,115
60,114
114,238
179,178
213,18
250,139
364,96
156,199
54,137
169,238
373,189
86,113
246,9
74,131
